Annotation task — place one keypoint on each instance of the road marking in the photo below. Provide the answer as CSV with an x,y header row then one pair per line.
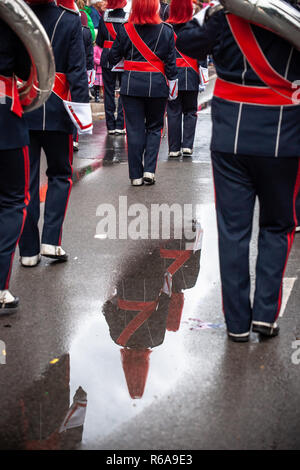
x,y
288,285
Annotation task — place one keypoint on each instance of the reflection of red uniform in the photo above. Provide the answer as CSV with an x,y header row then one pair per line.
x,y
143,308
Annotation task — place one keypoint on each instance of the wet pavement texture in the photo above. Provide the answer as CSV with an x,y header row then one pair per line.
x,y
124,347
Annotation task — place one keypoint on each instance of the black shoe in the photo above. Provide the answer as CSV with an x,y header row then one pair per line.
x,y
8,302
243,338
269,331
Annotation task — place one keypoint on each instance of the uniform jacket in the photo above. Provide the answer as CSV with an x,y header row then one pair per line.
x,y
68,48
160,39
13,60
188,80
270,131
164,11
103,35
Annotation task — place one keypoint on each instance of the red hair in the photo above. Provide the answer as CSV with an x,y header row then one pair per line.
x,y
181,11
145,12
114,4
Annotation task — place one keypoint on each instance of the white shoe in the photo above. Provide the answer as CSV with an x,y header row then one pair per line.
x,y
137,182
30,261
112,131
175,154
7,300
187,151
75,146
298,228
54,252
120,131
149,177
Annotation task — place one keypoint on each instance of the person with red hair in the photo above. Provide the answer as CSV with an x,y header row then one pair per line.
x,y
109,26
182,113
150,77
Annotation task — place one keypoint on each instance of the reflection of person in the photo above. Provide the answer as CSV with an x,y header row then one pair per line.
x,y
255,152
148,301
48,421
182,112
149,78
14,159
164,10
51,129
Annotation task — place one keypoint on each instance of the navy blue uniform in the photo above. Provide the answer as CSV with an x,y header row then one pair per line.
x,y
14,160
164,11
255,150
110,79
51,129
145,94
182,112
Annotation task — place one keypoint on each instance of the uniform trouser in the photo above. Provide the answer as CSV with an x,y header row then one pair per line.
x,y
144,119
14,197
238,181
298,209
58,148
109,83
182,120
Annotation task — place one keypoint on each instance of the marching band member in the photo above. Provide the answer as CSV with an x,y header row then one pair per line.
x,y
149,78
109,26
164,10
182,112
255,153
14,159
51,129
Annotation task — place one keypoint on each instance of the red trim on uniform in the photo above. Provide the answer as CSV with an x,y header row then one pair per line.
x,y
145,310
26,202
139,66
111,29
108,44
280,90
185,61
290,236
180,256
144,50
82,127
61,86
71,152
249,94
11,91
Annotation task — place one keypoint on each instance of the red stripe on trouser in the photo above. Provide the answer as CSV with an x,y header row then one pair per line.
x,y
290,236
70,181
146,309
26,202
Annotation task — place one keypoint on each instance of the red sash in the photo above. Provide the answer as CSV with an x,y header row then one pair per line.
x,y
145,310
278,91
180,257
152,64
61,86
8,88
113,34
185,61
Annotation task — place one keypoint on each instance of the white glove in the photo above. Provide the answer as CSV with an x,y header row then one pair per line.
x,y
173,89
91,77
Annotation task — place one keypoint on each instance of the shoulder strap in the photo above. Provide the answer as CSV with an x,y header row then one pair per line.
x,y
246,40
192,63
143,49
111,29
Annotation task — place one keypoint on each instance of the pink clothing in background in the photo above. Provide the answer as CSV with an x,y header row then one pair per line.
x,y
98,69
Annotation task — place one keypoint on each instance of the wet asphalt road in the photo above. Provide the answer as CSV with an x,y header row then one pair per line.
x,y
179,384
